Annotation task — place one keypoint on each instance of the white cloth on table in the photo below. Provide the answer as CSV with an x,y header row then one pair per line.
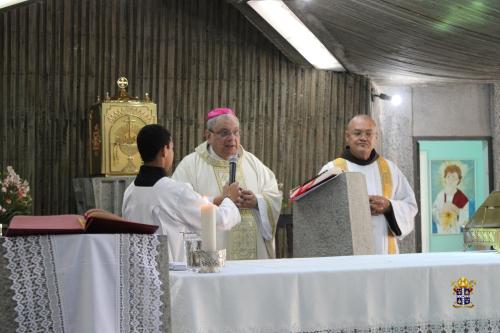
x,y
85,283
378,293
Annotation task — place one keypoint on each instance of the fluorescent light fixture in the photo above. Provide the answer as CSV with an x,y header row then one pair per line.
x,y
288,25
7,3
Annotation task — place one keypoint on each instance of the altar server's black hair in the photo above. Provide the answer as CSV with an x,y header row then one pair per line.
x,y
150,140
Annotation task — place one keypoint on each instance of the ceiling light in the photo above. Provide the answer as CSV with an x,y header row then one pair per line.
x,y
289,26
396,100
7,3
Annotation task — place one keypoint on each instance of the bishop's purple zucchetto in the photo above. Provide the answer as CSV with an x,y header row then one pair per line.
x,y
219,112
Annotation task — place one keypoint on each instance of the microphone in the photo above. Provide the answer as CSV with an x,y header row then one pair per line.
x,y
232,169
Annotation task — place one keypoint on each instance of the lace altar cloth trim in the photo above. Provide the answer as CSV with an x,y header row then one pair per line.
x,y
465,326
34,282
140,285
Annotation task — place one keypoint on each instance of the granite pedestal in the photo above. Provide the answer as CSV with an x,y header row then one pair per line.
x,y
334,219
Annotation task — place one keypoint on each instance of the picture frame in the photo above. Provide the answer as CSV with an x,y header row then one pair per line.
x,y
453,180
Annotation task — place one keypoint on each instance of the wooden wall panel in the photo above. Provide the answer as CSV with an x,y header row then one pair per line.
x,y
57,56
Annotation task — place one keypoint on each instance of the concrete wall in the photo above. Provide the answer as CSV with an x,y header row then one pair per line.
x,y
457,110
431,111
396,139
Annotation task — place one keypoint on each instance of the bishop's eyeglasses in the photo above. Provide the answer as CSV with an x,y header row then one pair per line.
x,y
224,133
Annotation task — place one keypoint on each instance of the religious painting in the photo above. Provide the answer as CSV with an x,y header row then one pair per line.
x,y
453,195
453,182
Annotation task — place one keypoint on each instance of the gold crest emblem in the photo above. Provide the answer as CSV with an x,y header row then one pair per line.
x,y
463,288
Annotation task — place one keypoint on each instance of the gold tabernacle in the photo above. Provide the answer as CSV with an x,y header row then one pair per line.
x,y
113,127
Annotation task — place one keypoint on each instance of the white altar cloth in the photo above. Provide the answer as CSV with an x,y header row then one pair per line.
x,y
85,283
379,293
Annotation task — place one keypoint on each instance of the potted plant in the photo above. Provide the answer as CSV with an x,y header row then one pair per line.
x,y
14,196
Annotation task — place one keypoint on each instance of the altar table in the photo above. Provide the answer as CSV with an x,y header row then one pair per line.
x,y
84,284
378,293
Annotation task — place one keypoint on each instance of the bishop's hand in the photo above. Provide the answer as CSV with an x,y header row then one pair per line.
x,y
233,192
247,199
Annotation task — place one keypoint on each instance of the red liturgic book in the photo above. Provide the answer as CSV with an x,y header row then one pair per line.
x,y
312,184
94,221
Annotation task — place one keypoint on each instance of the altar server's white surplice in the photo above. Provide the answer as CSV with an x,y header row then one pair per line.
x,y
175,208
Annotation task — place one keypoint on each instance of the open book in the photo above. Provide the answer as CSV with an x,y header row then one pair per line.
x,y
313,183
94,221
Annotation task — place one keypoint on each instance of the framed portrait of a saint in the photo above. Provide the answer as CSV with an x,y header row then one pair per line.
x,y
453,195
454,181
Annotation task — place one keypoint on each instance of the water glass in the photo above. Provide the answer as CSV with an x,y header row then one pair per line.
x,y
192,244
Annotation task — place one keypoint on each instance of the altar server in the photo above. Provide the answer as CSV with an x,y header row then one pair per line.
x,y
207,170
392,201
174,206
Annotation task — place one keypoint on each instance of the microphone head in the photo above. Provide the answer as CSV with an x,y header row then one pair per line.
x,y
232,169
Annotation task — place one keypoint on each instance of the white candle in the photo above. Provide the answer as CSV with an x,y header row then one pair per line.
x,y
208,241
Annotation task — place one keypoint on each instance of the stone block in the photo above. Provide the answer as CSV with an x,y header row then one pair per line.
x,y
334,219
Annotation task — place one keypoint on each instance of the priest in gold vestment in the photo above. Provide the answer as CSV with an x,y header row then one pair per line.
x,y
207,170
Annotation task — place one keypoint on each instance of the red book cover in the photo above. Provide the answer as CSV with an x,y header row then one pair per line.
x,y
312,184
95,221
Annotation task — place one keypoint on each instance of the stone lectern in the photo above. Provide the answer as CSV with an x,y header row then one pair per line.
x,y
334,219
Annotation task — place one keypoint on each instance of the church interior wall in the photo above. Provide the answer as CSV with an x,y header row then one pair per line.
x,y
57,56
454,110
395,139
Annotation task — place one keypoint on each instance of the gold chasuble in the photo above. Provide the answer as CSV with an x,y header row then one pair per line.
x,y
386,180
242,241
253,238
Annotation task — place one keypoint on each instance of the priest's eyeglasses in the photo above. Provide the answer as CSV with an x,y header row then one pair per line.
x,y
369,133
225,133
